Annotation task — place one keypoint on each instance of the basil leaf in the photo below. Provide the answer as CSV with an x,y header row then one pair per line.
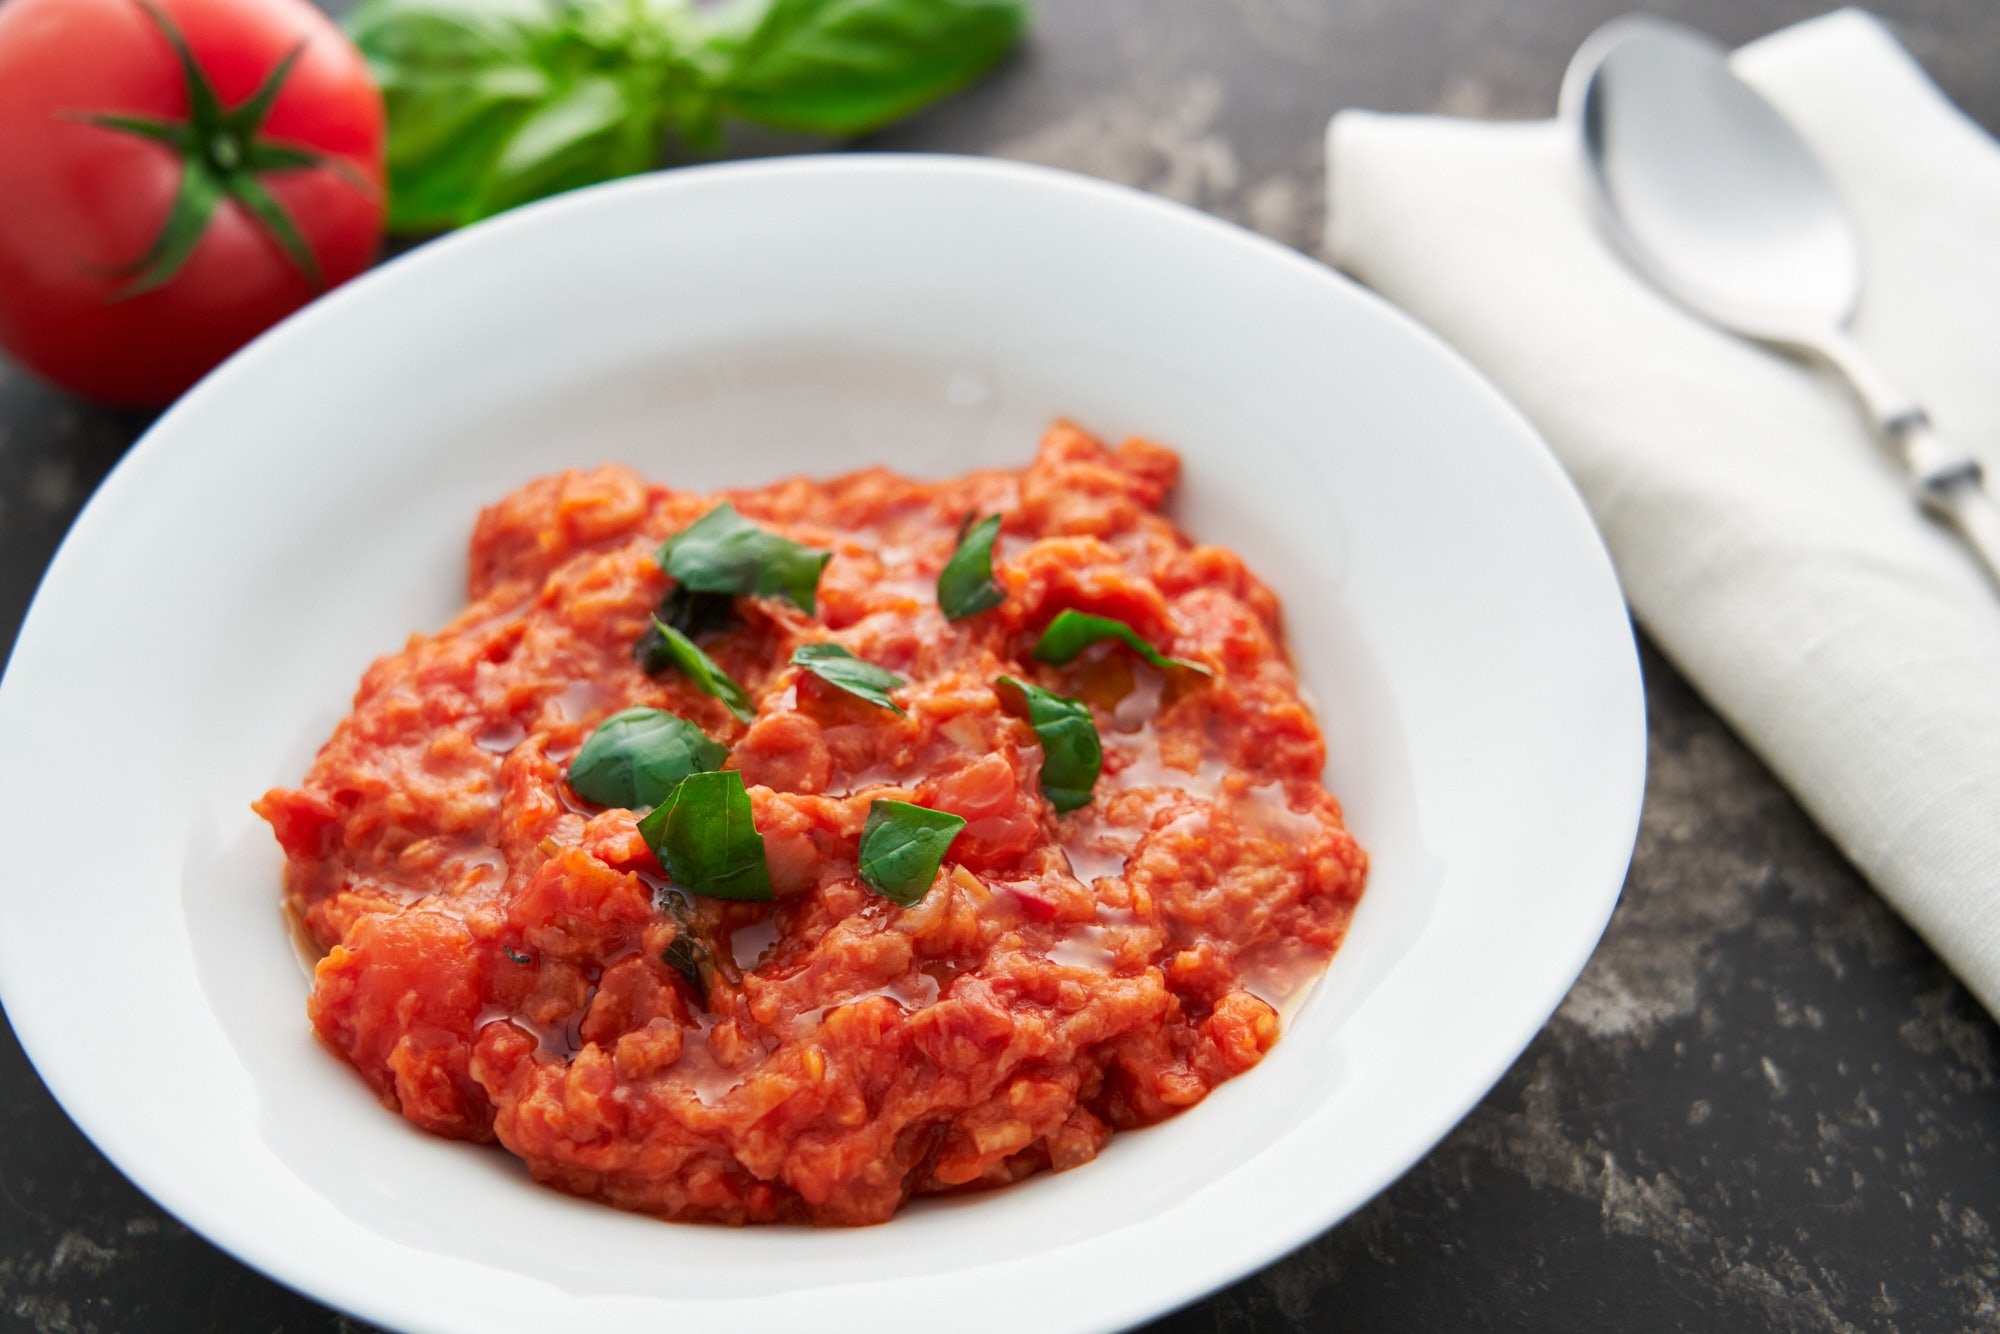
x,y
696,615
965,586
457,77
637,757
1072,756
902,846
857,676
680,651
841,67
688,953
597,128
1071,632
495,102
723,552
705,835
690,958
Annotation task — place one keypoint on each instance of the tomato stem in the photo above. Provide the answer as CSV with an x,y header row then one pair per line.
x,y
223,157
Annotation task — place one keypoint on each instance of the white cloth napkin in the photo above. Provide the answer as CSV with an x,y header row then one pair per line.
x,y
1761,537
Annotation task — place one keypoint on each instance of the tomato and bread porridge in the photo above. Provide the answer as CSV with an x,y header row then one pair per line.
x,y
783,854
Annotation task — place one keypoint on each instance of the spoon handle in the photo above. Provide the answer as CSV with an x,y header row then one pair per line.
x,y
1946,481
1961,499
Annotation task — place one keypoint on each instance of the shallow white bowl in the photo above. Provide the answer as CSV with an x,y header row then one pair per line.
x,y
307,507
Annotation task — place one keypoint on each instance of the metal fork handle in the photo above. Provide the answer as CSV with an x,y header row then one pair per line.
x,y
1945,480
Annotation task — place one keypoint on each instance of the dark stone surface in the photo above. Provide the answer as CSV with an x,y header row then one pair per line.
x,y
1764,1106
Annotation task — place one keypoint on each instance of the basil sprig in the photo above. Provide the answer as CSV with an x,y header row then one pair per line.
x,y
1072,756
966,586
857,676
723,552
705,835
495,102
637,757
677,650
902,847
1071,632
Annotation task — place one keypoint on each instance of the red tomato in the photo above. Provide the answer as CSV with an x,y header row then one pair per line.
x,y
83,203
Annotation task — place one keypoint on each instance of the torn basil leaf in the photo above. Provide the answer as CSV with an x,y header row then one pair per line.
x,y
637,757
1072,756
696,615
857,676
966,586
677,650
690,958
723,552
688,953
1071,632
902,846
705,835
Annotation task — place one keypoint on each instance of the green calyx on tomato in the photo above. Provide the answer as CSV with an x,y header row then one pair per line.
x,y
223,156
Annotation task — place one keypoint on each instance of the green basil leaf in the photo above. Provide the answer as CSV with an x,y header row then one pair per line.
x,y
680,651
456,35
1071,632
495,102
902,846
965,586
1072,756
458,78
696,615
723,552
637,757
596,129
689,953
705,835
690,958
841,67
857,676
435,187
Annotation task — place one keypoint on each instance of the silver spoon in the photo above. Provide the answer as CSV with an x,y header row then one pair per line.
x,y
1712,195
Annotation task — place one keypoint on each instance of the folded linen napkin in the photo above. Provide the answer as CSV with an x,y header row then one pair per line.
x,y
1760,535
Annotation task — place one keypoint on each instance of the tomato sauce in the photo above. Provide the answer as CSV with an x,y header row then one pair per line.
x,y
495,947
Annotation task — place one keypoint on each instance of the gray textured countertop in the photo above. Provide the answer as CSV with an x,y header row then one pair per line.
x,y
1764,1106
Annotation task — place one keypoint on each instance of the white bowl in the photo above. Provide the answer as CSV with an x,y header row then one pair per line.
x,y
306,507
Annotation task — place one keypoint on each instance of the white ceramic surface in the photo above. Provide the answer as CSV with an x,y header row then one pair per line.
x,y
307,506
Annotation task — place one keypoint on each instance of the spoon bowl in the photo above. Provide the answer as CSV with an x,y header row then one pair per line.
x,y
1709,190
